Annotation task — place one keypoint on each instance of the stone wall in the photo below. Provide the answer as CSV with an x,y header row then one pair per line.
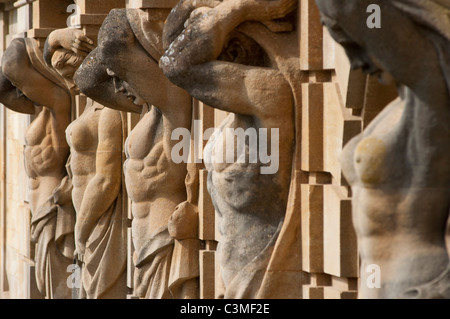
x,y
16,252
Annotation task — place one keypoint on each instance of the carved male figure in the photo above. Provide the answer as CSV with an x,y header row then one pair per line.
x,y
164,223
28,86
398,167
243,69
96,142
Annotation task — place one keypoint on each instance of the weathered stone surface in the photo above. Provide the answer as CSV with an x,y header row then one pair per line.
x,y
26,81
96,142
201,58
283,235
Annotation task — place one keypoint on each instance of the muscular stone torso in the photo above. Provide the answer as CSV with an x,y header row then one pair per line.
x,y
250,205
155,184
397,214
45,153
46,149
83,139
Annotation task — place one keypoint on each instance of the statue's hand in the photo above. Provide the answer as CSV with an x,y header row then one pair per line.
x,y
73,40
200,42
63,193
176,21
183,224
80,248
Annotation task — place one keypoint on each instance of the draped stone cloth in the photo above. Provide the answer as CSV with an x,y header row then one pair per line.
x,y
52,224
152,262
104,261
52,227
37,60
284,276
103,272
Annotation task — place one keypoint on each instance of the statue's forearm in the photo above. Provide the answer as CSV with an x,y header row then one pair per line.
x,y
206,32
98,197
70,39
17,103
13,99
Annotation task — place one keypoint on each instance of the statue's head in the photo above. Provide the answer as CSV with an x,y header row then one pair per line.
x,y
123,87
66,63
346,21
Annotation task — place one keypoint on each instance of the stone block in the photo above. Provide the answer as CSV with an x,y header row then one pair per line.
x,y
207,274
344,284
99,6
340,247
329,50
311,36
205,209
312,227
339,127
312,127
163,4
51,14
219,117
333,293
312,292
24,228
92,13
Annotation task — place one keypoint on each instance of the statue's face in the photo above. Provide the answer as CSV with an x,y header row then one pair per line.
x,y
123,87
66,63
359,57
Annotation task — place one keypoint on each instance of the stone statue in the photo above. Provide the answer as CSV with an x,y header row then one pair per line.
x,y
398,167
164,226
28,85
96,142
247,68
